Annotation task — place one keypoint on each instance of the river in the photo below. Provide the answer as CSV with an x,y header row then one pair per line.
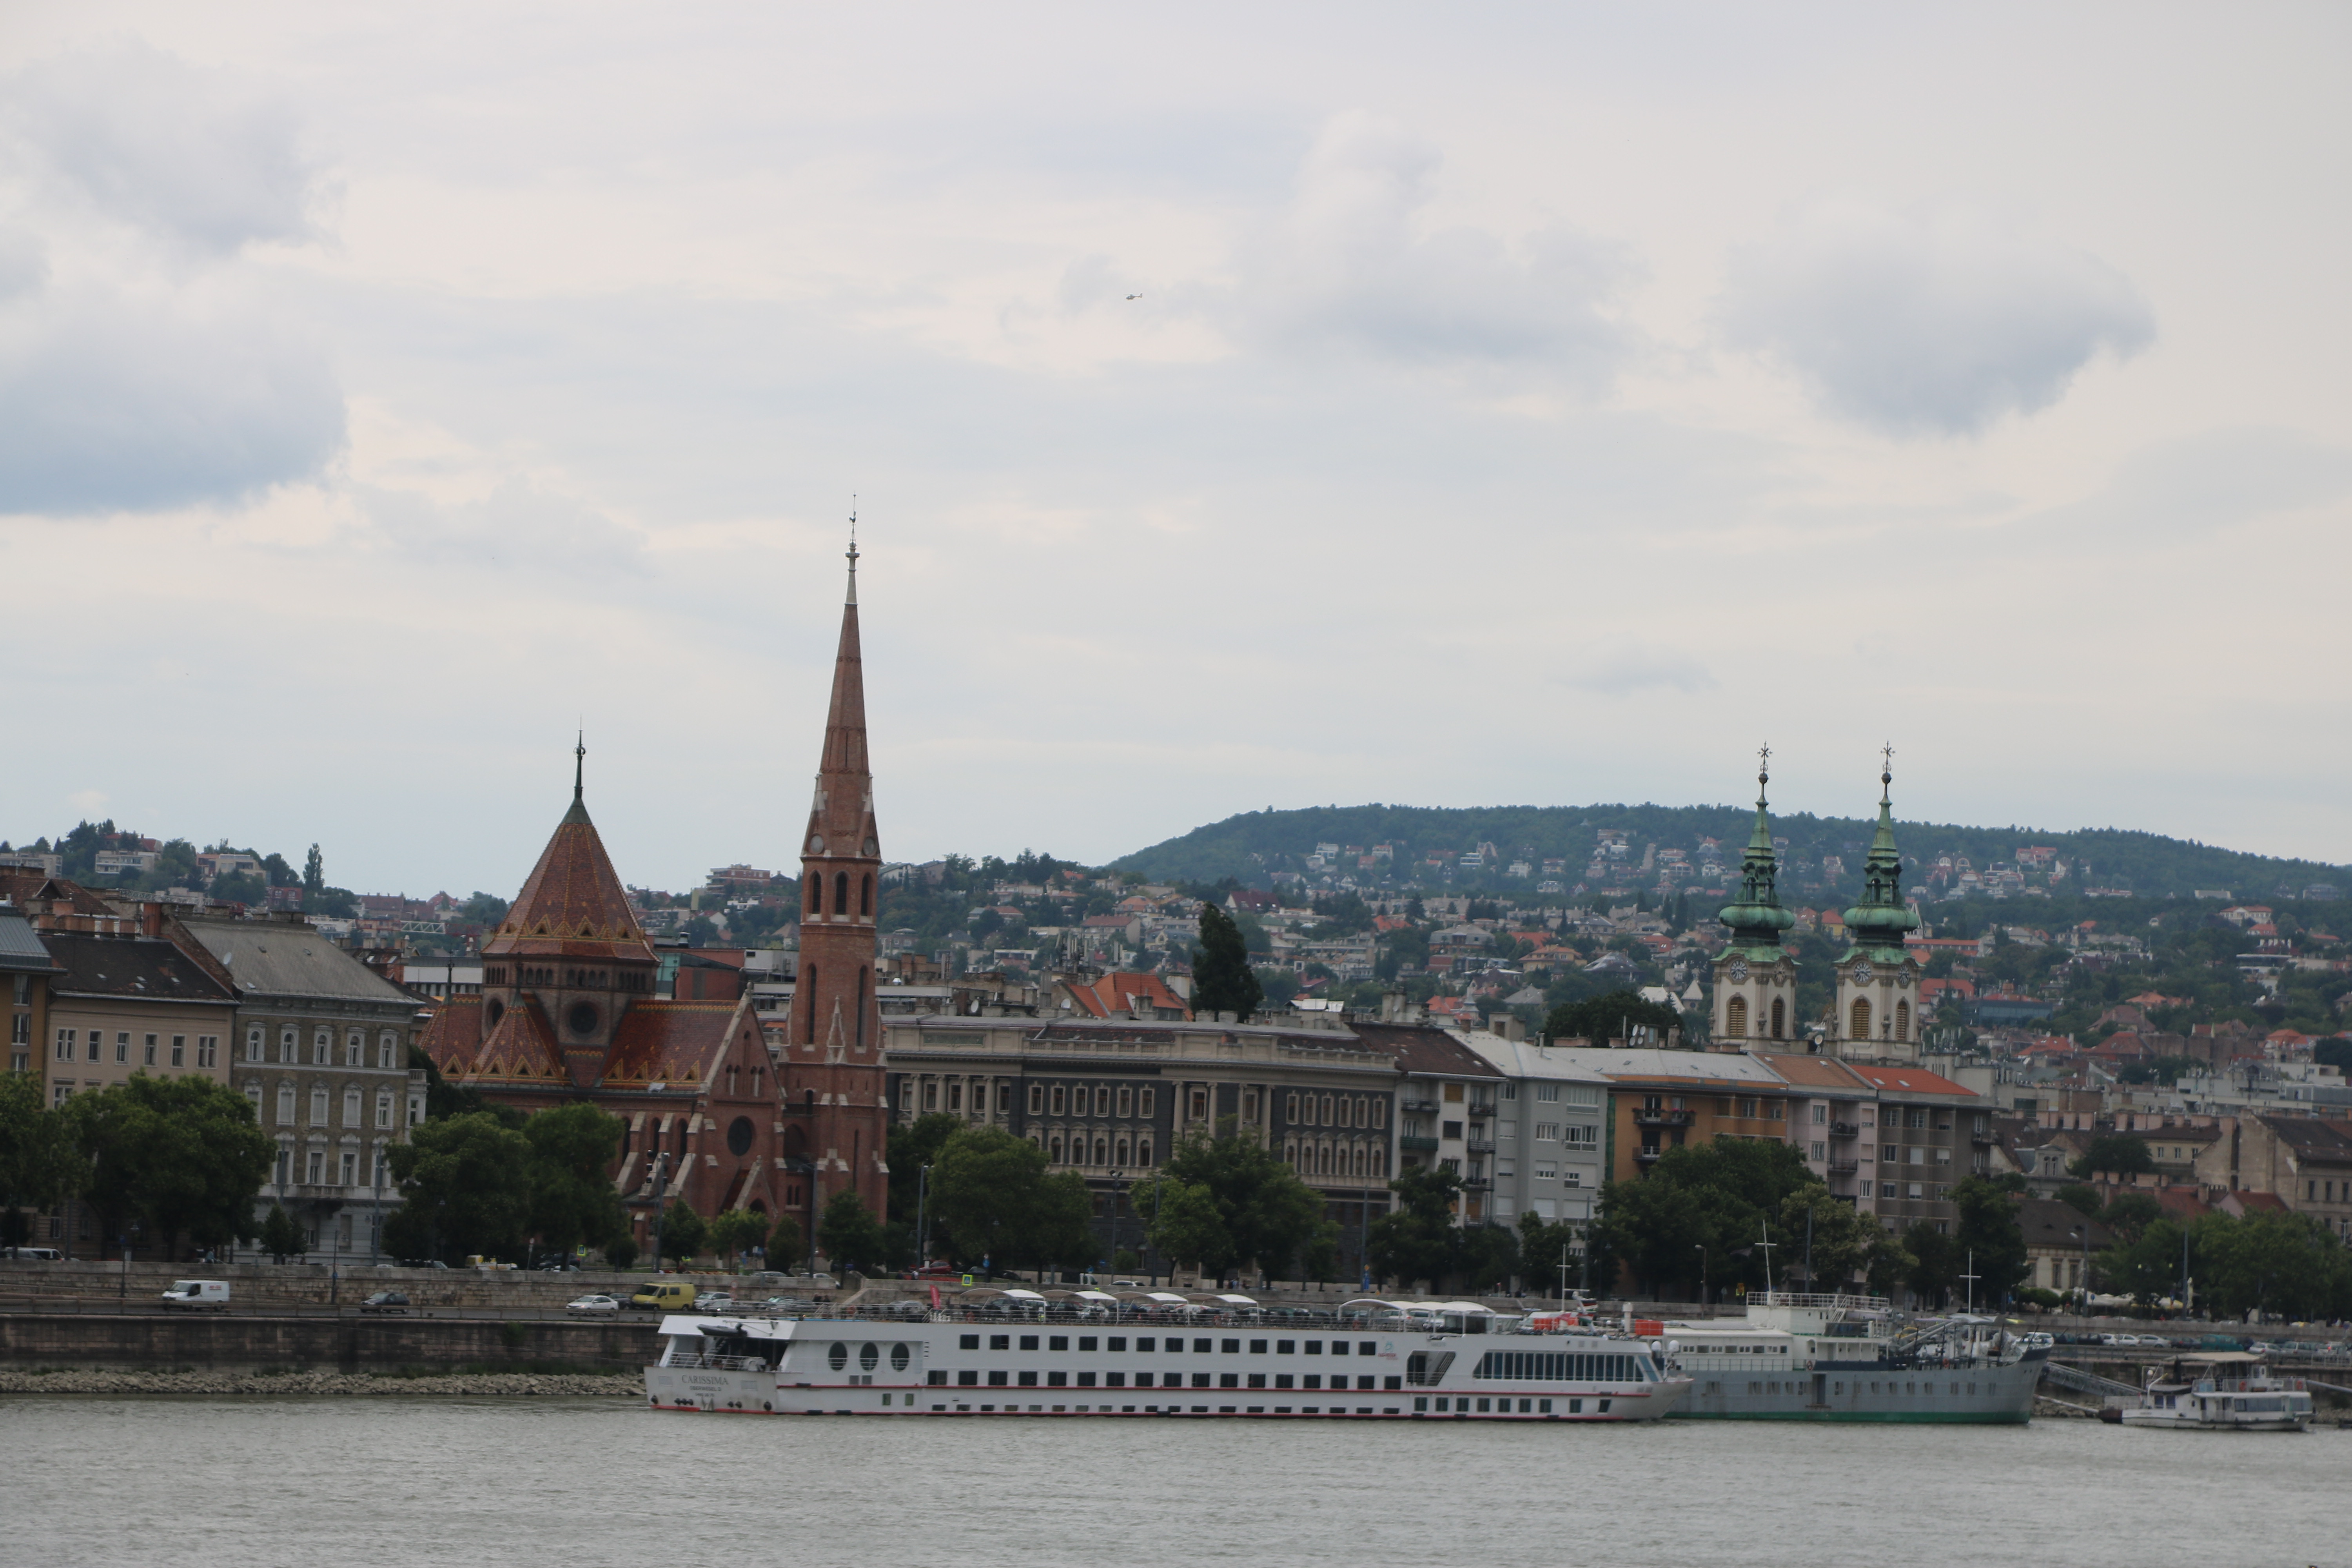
x,y
323,1483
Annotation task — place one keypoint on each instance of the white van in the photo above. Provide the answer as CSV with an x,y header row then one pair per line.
x,y
197,1295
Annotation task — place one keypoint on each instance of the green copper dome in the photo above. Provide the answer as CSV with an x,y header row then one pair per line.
x,y
1882,917
1755,917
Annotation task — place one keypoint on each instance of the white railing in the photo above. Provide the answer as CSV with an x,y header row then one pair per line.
x,y
1829,1300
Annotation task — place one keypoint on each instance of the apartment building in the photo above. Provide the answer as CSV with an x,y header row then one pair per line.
x,y
1551,1112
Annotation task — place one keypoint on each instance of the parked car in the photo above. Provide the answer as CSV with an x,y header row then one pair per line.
x,y
593,1306
783,1304
385,1301
717,1301
2038,1341
559,1266
663,1295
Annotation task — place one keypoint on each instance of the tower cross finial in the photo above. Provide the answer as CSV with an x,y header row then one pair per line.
x,y
579,765
1886,767
1763,771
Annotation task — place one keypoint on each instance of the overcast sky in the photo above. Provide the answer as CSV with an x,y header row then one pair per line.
x,y
1246,406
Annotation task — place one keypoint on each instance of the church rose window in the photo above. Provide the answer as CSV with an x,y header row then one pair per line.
x,y
738,1136
584,1017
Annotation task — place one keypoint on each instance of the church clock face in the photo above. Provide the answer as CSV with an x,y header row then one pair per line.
x,y
1862,972
1737,973
816,844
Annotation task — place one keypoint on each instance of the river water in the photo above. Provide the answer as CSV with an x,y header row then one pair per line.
x,y
322,1483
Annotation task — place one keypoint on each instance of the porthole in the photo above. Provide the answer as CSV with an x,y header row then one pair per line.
x,y
837,1357
899,1357
869,1357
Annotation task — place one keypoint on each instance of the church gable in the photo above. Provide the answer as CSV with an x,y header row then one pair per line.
x,y
454,1036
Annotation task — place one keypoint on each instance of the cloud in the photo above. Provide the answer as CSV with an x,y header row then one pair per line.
x,y
145,361
1936,321
1645,669
1351,264
199,157
112,402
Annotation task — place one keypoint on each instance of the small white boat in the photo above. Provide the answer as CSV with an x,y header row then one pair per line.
x,y
2221,1390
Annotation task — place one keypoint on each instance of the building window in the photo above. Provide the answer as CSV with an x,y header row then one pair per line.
x,y
1127,1101
1036,1099
354,1050
1821,1114
322,1048
1902,1020
1200,1105
207,1050
1143,1102
387,1050
1545,1131
383,1108
1143,1153
286,1104
351,1108
1735,1018
1060,1099
1858,1019
1290,1107
319,1106
980,1096
94,1045
315,1168
1053,1150
1102,1099
179,1050
61,1093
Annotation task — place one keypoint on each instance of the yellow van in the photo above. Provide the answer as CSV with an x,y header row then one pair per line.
x,y
663,1296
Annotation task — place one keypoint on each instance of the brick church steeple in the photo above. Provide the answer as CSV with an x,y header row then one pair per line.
x,y
833,1067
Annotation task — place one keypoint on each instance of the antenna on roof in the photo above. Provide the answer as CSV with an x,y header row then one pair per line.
x,y
852,549
579,763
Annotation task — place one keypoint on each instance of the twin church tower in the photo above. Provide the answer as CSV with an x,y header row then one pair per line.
x,y
1876,1016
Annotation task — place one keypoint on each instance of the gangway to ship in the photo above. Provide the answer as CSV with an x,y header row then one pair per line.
x,y
2082,1382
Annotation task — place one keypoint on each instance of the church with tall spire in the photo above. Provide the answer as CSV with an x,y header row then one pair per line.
x,y
1877,976
720,1108
1754,976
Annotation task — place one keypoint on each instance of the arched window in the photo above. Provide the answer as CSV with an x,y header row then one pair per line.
x,y
354,1050
1902,1020
865,895
1053,1150
322,1048
1858,1019
1379,1161
1143,1154
286,1047
1290,1155
807,999
1735,1018
1359,1160
841,892
387,1047
816,895
1779,1018
1122,1153
253,1044
384,1111
1102,1151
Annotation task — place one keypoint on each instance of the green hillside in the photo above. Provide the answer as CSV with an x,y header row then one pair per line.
x,y
1253,846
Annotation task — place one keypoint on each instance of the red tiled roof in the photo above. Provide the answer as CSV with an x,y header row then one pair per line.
x,y
572,905
1908,1081
675,1043
1113,994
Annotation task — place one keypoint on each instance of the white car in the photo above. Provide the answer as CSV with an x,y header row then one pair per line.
x,y
593,1306
717,1301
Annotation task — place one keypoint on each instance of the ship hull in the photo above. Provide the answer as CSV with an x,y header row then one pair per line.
x,y
1993,1396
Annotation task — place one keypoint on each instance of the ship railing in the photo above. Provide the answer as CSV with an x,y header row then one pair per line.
x,y
1824,1300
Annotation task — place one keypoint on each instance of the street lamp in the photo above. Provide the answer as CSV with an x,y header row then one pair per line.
x,y
922,1216
1114,1218
1700,1248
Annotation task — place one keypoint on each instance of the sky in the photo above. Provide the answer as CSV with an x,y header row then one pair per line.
x,y
1242,406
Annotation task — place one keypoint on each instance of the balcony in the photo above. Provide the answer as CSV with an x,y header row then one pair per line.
x,y
1413,1105
1846,1167
1983,1139
1662,1119
1478,1144
1476,1184
1415,1143
1647,1156
1844,1130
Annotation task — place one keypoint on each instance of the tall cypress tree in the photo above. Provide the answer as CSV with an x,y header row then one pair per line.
x,y
1223,981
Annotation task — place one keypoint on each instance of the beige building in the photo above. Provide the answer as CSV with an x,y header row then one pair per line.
x,y
125,1002
321,1050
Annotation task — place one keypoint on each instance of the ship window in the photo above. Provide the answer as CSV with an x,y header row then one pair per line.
x,y
1286,1347
999,1341
837,1356
1057,1343
1028,1341
1085,1341
899,1357
1116,1342
1142,1344
1201,1347
1257,1347
1230,1347
967,1342
869,1357
1314,1347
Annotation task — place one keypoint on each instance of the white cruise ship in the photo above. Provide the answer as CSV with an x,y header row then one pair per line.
x,y
1457,1361
1823,1357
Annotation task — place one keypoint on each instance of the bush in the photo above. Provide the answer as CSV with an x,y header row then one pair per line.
x,y
621,1251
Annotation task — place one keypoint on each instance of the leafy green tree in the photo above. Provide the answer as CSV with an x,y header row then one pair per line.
x,y
1223,981
280,1236
464,1187
1889,1265
736,1232
2130,1216
1607,1016
995,1200
785,1245
314,873
2123,1154
621,1251
1543,1244
1933,1265
1268,1214
1659,1230
573,1200
911,1146
684,1232
40,1158
1987,1239
848,1233
1181,1219
1840,1238
1489,1256
1417,1239
1697,1217
2290,1264
182,1156
2147,1265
